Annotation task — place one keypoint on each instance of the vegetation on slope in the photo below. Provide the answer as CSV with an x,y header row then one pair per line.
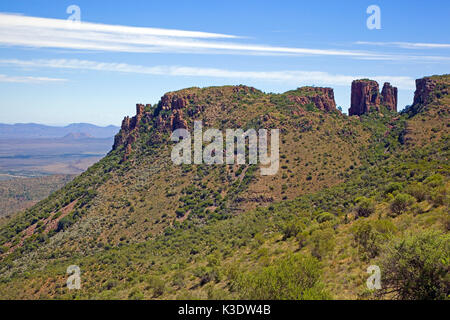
x,y
383,200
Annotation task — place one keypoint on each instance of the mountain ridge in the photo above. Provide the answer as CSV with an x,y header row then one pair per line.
x,y
158,216
34,130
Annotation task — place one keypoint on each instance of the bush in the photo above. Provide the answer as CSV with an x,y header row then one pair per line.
x,y
65,223
295,277
365,207
417,268
393,187
136,294
322,242
325,216
400,203
292,228
370,235
158,285
435,180
418,191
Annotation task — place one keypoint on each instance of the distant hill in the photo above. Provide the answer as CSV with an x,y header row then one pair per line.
x,y
33,130
77,136
30,150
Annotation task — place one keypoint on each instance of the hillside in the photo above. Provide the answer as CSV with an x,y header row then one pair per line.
x,y
348,190
22,193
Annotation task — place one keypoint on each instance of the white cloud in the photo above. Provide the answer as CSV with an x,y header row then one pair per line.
x,y
289,76
15,79
408,45
36,32
17,30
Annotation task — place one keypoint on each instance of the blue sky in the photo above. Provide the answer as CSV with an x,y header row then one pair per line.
x,y
127,52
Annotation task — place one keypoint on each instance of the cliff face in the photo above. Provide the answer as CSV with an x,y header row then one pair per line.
x,y
424,88
322,98
366,95
129,130
389,96
170,121
173,107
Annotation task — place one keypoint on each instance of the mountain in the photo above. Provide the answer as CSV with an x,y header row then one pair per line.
x,y
350,192
33,130
77,136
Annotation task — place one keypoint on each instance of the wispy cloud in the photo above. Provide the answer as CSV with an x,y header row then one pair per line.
x,y
298,77
407,45
15,79
26,31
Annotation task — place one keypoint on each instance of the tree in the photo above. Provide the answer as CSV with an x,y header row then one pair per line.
x,y
400,203
417,268
365,207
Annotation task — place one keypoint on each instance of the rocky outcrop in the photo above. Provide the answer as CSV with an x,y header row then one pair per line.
x,y
389,96
174,101
163,121
129,130
424,88
366,96
177,121
322,98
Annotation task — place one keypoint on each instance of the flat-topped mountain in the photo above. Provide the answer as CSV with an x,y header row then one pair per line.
x,y
347,188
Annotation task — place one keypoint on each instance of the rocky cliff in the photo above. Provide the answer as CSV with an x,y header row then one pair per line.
x,y
322,98
424,90
366,96
173,107
389,96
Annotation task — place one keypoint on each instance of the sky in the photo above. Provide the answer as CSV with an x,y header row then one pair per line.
x,y
91,61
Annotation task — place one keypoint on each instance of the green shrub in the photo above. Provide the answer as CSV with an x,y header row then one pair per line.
x,y
417,268
393,187
325,216
435,180
370,235
365,207
440,197
295,277
322,242
400,203
65,223
136,294
418,191
157,285
292,228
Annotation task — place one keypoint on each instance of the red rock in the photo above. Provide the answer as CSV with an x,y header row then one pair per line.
x,y
424,88
366,96
389,96
322,98
177,121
